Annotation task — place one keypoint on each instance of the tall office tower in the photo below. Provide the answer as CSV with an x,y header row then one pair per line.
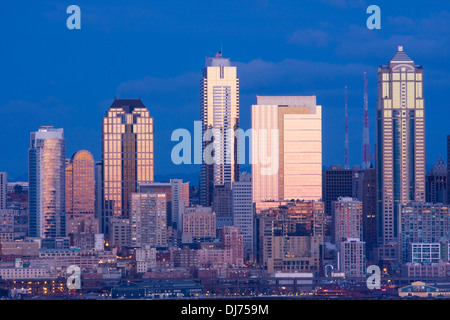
x,y
400,150
423,223
46,174
148,219
337,182
367,193
80,194
242,205
286,148
436,182
127,156
348,235
365,149
219,112
3,188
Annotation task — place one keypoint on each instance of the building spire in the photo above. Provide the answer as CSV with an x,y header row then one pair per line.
x,y
365,145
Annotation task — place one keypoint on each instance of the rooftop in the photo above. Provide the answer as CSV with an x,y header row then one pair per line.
x,y
128,105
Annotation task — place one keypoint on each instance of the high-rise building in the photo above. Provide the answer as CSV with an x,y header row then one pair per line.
x,y
348,219
80,193
148,219
177,197
219,113
127,156
423,222
46,174
180,200
436,182
400,147
242,204
337,182
222,205
367,193
352,257
3,188
348,236
286,148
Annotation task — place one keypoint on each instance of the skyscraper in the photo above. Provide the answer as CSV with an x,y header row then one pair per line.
x,y
337,182
286,148
46,170
219,112
400,150
80,193
127,156
242,205
367,193
148,219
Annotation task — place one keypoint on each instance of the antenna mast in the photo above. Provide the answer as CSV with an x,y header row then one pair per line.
x,y
366,145
346,131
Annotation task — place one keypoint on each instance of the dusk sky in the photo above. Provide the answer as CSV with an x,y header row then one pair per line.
x,y
156,50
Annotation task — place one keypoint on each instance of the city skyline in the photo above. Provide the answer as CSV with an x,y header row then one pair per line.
x,y
258,149
155,85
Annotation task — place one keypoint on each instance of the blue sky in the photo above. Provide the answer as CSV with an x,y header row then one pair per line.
x,y
156,50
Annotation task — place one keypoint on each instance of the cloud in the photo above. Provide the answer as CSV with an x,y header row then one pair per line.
x,y
343,4
293,75
426,37
155,85
309,37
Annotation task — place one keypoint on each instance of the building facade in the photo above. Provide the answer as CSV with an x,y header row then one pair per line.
x,y
219,113
46,170
127,156
286,148
242,205
148,219
80,194
400,151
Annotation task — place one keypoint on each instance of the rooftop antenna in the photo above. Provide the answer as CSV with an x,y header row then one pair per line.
x,y
366,145
346,166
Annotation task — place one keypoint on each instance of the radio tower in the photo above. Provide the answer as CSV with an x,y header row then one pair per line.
x,y
346,166
365,159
